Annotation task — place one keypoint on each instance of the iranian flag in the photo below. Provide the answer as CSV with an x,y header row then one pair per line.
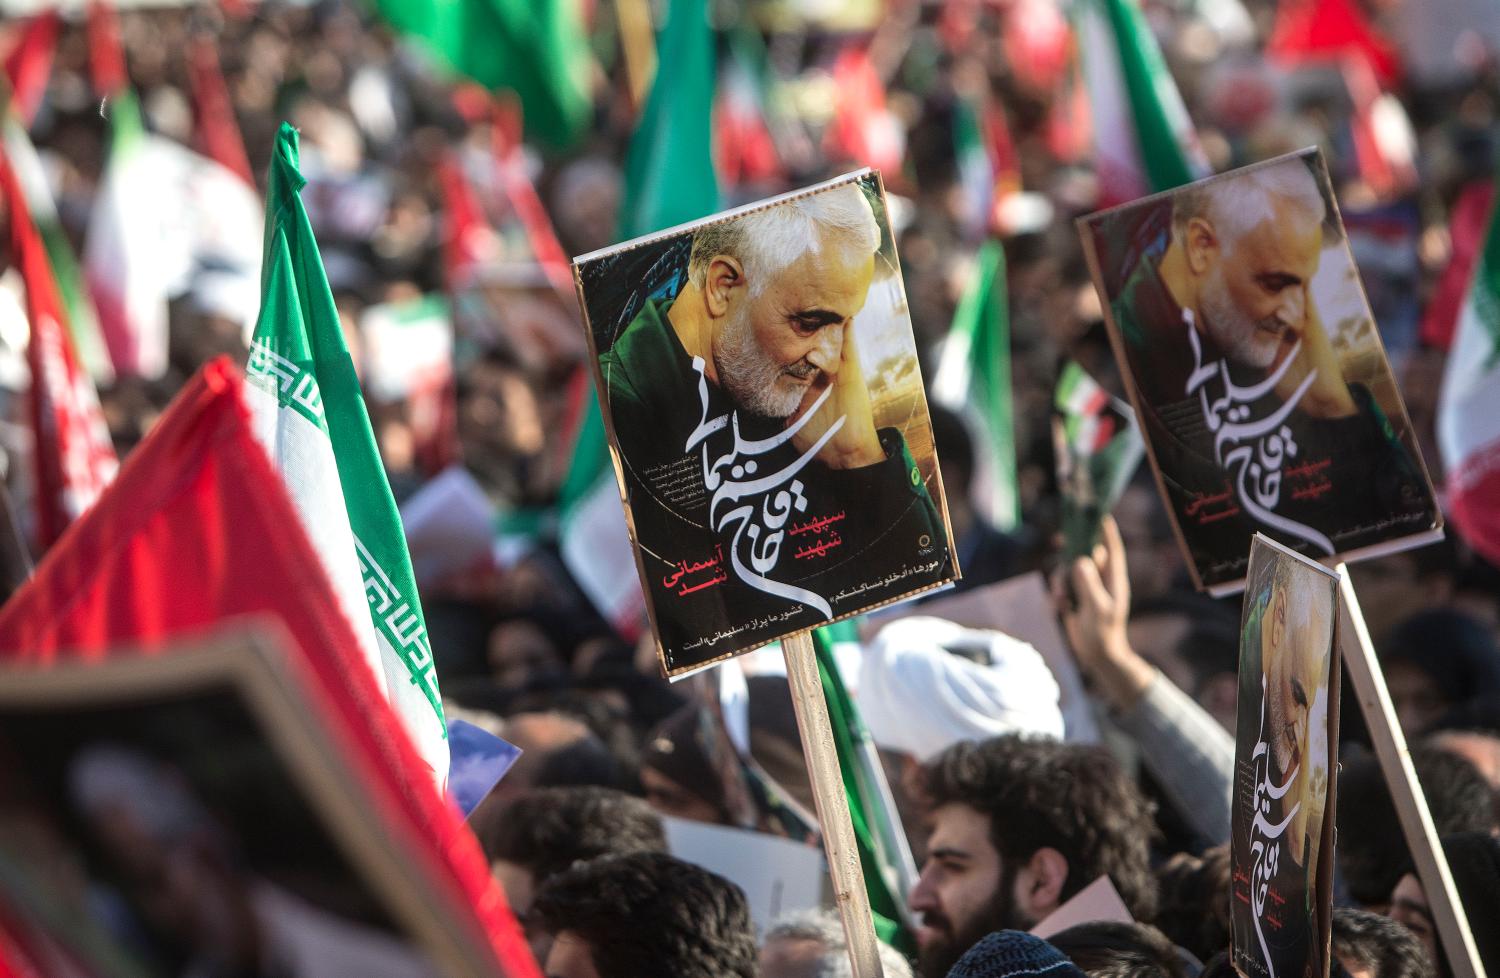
x,y
123,259
82,324
307,409
1143,139
73,458
973,379
1468,421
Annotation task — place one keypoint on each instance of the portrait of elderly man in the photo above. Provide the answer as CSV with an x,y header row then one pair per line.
x,y
1245,399
763,495
1283,724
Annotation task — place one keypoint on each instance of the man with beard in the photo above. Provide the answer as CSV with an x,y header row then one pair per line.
x,y
761,491
1229,302
1016,827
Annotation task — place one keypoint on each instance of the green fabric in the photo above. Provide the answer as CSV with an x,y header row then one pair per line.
x,y
1152,95
981,323
864,809
299,321
669,171
535,48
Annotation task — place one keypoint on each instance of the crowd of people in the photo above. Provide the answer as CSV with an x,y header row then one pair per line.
x,y
1007,815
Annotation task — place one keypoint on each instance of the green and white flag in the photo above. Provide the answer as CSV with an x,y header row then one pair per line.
x,y
973,379
1143,139
306,405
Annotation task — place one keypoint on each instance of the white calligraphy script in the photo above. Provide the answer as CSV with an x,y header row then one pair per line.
x,y
756,505
1265,838
1253,449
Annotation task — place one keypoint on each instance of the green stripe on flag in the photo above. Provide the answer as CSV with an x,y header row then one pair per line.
x,y
873,822
1161,122
299,351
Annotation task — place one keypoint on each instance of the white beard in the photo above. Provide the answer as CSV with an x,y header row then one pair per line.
x,y
751,377
1241,338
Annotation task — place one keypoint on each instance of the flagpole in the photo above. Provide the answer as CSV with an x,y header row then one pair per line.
x,y
1448,915
833,806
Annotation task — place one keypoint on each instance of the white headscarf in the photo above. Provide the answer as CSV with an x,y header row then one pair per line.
x,y
917,696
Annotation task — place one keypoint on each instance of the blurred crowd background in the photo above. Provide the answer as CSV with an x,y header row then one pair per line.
x,y
444,211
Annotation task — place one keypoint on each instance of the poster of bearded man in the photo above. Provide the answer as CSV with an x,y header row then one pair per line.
x,y
1286,753
767,419
1257,372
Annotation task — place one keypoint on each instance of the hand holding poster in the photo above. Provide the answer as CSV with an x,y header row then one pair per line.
x,y
1286,750
1256,370
766,413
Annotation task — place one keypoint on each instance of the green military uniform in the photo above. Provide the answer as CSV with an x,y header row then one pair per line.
x,y
1350,479
791,541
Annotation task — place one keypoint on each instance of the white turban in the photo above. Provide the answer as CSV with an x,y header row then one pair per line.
x,y
917,696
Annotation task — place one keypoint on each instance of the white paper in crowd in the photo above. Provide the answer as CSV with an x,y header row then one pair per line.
x,y
778,876
1099,901
448,522
596,549
1021,608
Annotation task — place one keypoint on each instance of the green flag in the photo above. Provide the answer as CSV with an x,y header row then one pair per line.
x,y
973,379
877,831
535,48
307,410
669,172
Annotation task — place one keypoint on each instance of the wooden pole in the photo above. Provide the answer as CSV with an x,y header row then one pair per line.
x,y
1411,805
833,806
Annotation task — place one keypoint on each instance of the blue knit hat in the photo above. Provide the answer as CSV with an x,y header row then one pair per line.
x,y
1012,954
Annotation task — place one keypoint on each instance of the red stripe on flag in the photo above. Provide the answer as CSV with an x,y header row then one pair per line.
x,y
199,529
28,65
106,52
214,127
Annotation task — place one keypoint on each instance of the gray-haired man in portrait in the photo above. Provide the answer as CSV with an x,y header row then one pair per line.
x,y
745,391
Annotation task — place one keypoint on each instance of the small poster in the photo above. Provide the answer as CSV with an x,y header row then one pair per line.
x,y
195,812
767,419
1097,447
1257,372
1286,753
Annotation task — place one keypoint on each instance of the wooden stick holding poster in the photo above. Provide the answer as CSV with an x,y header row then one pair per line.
x,y
1406,792
833,807
759,383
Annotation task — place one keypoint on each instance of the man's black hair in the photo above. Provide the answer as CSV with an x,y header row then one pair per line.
x,y
1195,901
1042,793
1110,949
547,830
649,915
1380,944
1372,848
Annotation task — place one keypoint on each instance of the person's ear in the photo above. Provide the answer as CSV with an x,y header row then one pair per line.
x,y
725,275
1202,245
1040,882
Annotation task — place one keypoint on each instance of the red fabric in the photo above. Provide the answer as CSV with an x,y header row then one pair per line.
x,y
862,131
1322,30
73,459
106,52
743,147
518,190
468,240
1474,501
198,528
1387,177
214,126
28,65
1466,230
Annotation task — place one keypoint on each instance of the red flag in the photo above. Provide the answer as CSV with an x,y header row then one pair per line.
x,y
198,529
1467,225
28,66
518,189
73,458
1327,30
1384,143
106,52
863,131
217,134
468,240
